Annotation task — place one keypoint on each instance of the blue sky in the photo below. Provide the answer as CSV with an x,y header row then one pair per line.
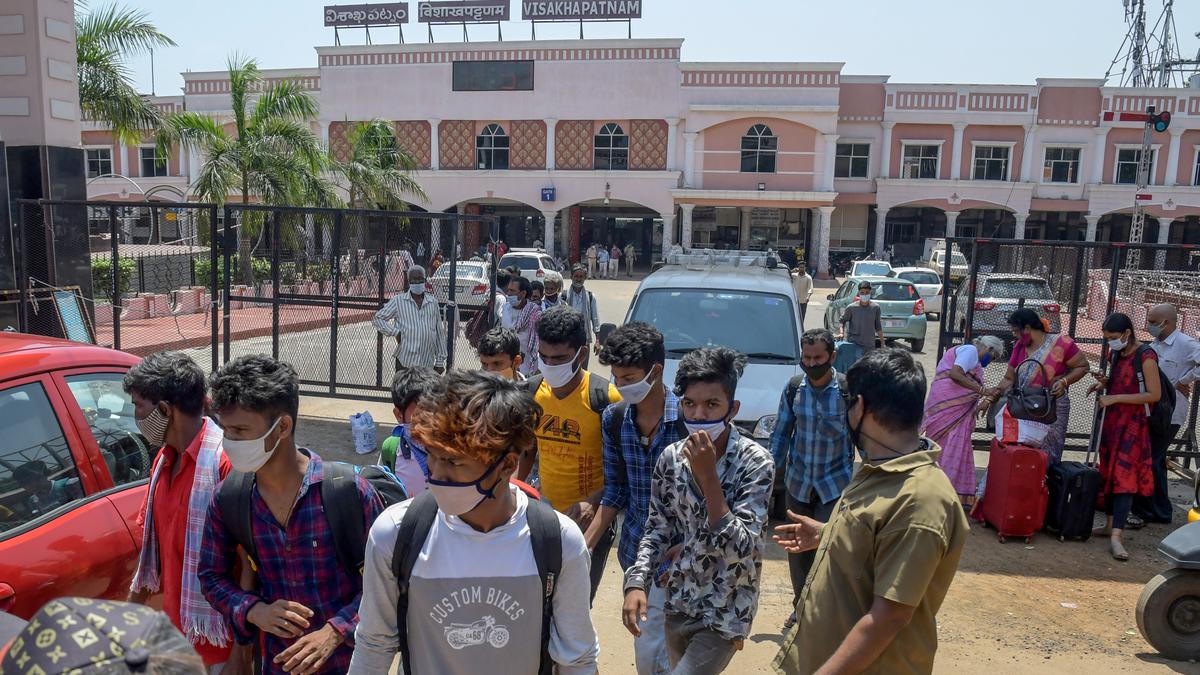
x,y
962,41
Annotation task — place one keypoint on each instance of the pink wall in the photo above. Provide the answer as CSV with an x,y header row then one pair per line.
x,y
1134,137
1069,103
922,132
1187,157
977,133
860,100
722,158
97,138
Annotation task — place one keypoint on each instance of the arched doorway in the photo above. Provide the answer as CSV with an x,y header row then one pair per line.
x,y
908,227
614,222
986,223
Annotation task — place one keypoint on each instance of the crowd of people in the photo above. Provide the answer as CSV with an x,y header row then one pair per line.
x,y
604,260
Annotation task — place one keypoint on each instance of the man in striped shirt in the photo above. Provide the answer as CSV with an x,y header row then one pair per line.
x,y
416,323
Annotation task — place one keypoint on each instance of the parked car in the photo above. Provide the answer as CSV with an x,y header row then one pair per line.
x,y
870,268
473,284
533,263
997,296
73,473
901,307
935,256
928,283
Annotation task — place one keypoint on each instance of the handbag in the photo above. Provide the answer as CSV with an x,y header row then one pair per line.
x,y
1032,402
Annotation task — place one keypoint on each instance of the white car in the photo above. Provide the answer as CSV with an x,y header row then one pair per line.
x,y
928,283
870,268
473,284
533,263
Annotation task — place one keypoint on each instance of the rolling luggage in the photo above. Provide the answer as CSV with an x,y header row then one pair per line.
x,y
848,353
1073,488
1014,501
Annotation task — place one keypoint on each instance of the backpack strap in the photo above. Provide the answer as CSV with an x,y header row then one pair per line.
x,y
618,418
344,511
546,538
598,393
233,502
793,386
410,539
534,382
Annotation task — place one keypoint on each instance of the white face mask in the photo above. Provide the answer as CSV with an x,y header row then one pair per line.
x,y
154,427
417,288
560,375
864,297
1117,345
250,456
714,429
635,393
455,499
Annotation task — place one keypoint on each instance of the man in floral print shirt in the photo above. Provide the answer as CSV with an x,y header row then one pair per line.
x,y
710,491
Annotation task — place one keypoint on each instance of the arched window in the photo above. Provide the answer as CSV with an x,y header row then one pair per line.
x,y
491,148
612,148
758,150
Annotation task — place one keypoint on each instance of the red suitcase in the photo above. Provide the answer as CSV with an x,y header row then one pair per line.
x,y
1016,496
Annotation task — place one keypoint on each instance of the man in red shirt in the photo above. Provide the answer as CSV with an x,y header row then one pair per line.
x,y
168,393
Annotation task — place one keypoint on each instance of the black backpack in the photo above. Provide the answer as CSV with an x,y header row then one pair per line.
x,y
1161,411
546,539
793,386
340,497
597,390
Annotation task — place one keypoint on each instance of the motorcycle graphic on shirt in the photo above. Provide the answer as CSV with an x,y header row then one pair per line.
x,y
462,635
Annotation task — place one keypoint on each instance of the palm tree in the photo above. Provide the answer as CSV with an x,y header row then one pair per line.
x,y
377,173
104,40
271,152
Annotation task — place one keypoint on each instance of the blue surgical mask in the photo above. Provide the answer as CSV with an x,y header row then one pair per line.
x,y
1154,329
514,300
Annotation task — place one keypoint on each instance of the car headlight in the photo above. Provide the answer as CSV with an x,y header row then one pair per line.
x,y
765,427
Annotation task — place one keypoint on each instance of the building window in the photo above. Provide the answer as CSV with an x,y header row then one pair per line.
x,y
493,76
920,161
1196,176
758,150
491,148
991,162
151,166
612,148
99,162
852,160
1062,165
1127,165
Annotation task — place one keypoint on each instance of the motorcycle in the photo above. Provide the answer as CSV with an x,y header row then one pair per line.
x,y
461,635
1168,610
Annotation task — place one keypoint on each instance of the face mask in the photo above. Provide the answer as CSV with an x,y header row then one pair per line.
x,y
551,299
1117,345
417,289
577,285
154,427
714,429
455,499
985,360
855,431
1154,330
864,297
635,393
250,456
818,371
560,375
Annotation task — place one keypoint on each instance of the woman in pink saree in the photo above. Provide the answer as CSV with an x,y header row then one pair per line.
x,y
958,387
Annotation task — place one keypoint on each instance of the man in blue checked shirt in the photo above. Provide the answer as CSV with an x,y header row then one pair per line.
x,y
812,442
636,431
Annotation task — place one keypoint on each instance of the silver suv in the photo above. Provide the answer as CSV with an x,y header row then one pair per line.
x,y
997,296
533,263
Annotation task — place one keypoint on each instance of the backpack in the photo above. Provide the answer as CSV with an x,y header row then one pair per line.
x,y
1160,412
618,418
479,325
545,538
342,506
597,391
793,386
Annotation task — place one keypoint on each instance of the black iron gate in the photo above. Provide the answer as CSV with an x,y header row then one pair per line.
x,y
1073,286
302,284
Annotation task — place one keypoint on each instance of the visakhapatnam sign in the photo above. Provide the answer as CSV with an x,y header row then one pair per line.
x,y
581,10
344,16
472,11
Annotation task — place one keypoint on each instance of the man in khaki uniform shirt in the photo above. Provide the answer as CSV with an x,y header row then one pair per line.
x,y
887,556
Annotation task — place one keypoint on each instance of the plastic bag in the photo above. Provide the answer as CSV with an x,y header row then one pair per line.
x,y
362,426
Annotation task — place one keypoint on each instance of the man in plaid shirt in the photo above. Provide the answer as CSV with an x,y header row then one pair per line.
x,y
812,443
648,419
306,603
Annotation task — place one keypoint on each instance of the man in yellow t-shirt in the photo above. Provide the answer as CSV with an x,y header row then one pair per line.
x,y
570,452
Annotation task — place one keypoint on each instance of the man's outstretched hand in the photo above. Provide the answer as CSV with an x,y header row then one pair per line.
x,y
802,534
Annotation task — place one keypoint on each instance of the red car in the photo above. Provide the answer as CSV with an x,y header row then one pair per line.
x,y
73,473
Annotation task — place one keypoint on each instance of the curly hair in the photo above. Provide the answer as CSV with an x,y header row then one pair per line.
x,y
710,364
477,414
257,383
410,383
168,376
562,325
636,345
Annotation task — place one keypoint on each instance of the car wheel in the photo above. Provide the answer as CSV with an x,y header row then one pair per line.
x,y
917,345
1168,614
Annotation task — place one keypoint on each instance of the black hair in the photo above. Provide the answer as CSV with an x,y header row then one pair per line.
x,y
710,364
502,279
523,284
636,345
537,286
257,383
500,340
562,325
168,376
892,385
1118,323
864,284
815,336
410,383
30,471
1025,318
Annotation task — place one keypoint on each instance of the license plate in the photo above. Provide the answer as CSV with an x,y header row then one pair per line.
x,y
893,324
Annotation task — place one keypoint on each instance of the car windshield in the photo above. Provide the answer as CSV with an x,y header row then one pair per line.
x,y
1030,289
691,318
521,262
920,277
872,269
894,292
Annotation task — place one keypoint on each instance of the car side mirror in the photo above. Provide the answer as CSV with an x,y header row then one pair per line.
x,y
829,297
606,329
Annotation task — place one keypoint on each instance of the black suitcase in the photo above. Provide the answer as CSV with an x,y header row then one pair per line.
x,y
1073,490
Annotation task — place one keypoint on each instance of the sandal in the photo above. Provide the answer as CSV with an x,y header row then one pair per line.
x,y
1134,523
1118,550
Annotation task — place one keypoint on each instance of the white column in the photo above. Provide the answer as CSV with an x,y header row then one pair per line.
x,y
435,160
1173,155
885,153
685,234
689,158
825,214
951,222
324,132
744,232
550,124
956,151
827,169
548,234
1093,223
193,164
672,144
1164,234
880,231
119,165
668,232
1019,230
1099,140
1027,154
435,237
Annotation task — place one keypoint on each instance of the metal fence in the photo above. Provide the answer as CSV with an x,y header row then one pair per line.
x,y
1073,286
300,284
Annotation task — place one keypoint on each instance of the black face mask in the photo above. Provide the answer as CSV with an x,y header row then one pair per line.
x,y
818,371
